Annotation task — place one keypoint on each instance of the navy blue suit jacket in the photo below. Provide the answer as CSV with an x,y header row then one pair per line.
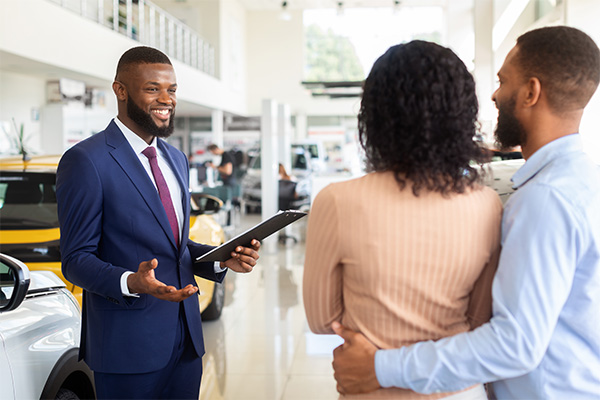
x,y
112,219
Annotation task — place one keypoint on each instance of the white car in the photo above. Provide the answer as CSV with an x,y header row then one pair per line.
x,y
499,179
40,326
316,150
301,171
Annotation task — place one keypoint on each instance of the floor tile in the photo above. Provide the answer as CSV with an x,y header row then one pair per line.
x,y
261,347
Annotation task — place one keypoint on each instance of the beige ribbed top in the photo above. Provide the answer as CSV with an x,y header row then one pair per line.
x,y
399,268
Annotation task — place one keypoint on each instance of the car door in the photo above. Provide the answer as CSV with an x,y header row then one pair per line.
x,y
6,375
6,378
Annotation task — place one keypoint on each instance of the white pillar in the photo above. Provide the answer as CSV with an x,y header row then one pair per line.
x,y
269,167
217,127
217,138
301,128
485,70
284,136
460,35
583,14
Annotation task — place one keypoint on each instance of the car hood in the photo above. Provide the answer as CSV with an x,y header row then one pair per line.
x,y
42,280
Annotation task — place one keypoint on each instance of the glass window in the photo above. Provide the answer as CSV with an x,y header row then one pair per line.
x,y
7,283
343,44
28,201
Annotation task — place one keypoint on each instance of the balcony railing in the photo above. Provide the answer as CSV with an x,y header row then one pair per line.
x,y
148,24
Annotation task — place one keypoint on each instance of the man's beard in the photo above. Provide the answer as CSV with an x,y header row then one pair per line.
x,y
145,121
509,131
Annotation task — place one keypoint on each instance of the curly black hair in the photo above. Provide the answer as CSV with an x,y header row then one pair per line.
x,y
418,118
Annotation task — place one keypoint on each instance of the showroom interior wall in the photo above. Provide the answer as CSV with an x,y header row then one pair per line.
x,y
17,90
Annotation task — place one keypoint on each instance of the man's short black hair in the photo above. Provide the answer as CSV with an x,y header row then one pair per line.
x,y
565,60
212,147
141,55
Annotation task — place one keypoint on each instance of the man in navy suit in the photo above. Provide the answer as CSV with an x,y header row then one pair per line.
x,y
124,206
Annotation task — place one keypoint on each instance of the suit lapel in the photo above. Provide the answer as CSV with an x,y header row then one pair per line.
x,y
124,155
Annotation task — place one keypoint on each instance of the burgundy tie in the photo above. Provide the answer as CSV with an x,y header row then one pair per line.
x,y
163,191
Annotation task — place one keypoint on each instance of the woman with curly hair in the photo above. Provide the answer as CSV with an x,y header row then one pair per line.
x,y
407,252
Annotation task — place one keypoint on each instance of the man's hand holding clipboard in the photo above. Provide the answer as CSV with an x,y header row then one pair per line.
x,y
260,231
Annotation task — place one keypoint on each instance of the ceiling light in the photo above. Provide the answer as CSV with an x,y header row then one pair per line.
x,y
285,14
396,7
340,8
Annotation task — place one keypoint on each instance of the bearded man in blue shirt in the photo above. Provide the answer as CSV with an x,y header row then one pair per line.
x,y
543,340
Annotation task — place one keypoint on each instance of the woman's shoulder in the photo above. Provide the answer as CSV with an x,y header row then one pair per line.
x,y
484,198
351,185
486,193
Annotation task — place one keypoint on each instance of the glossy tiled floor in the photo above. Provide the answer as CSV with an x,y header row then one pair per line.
x,y
261,347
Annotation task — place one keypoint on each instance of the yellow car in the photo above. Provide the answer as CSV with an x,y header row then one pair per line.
x,y
29,227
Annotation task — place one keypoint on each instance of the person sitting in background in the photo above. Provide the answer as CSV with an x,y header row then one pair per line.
x,y
283,175
408,252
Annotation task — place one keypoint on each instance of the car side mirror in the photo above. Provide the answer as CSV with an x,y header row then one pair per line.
x,y
14,282
203,203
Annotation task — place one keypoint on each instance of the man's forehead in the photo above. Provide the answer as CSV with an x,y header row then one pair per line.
x,y
509,65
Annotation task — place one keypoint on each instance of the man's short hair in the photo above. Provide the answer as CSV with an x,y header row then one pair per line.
x,y
141,55
212,147
565,60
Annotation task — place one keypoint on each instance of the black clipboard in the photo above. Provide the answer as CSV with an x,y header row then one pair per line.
x,y
260,231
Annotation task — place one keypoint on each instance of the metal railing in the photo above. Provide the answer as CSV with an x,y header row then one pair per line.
x,y
148,24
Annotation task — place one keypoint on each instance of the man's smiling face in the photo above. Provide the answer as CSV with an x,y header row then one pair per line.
x,y
151,98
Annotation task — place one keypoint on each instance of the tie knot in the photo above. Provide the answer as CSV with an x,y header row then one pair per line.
x,y
149,152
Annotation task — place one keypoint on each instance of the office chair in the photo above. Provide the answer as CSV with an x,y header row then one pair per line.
x,y
287,194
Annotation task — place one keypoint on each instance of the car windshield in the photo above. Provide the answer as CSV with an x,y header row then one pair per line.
x,y
312,149
298,161
28,200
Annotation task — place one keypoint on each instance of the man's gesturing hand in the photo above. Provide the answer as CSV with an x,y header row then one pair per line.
x,y
144,281
354,362
244,258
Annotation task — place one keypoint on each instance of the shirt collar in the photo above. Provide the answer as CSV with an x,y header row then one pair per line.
x,y
137,143
545,155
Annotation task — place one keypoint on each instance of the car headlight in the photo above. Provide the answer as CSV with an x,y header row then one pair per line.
x,y
68,294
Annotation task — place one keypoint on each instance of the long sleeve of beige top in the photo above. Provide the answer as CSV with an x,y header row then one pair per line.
x,y
400,268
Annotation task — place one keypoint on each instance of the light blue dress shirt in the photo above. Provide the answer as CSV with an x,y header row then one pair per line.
x,y
543,341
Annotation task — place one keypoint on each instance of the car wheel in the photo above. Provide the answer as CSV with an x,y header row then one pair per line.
x,y
66,394
214,309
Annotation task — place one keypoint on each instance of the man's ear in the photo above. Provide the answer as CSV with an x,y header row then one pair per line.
x,y
533,92
120,91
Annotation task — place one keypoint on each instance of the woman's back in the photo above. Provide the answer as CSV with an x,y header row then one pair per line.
x,y
408,252
397,267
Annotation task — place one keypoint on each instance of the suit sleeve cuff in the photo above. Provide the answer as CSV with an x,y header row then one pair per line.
x,y
124,287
